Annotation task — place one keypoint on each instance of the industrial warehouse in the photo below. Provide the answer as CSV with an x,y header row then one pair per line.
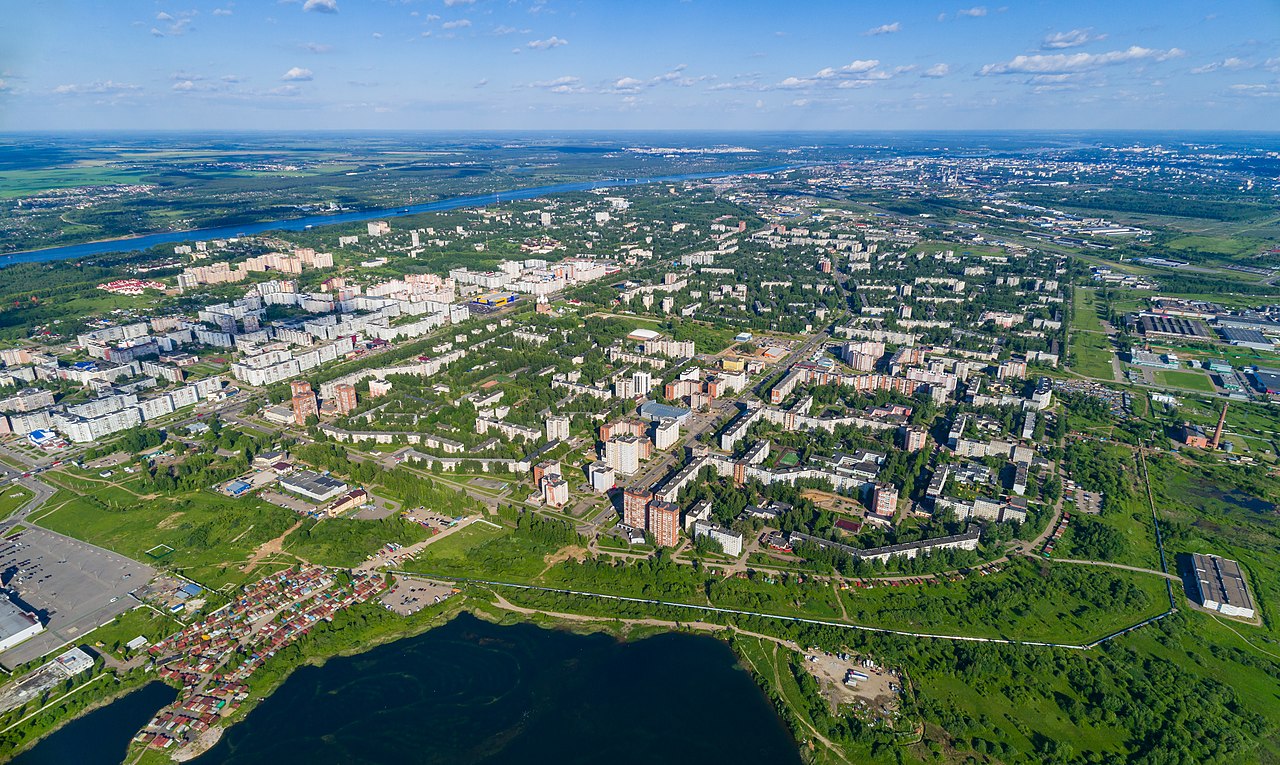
x,y
1219,585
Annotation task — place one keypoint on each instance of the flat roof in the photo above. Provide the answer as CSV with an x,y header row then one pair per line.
x,y
1221,580
13,620
644,334
659,411
313,483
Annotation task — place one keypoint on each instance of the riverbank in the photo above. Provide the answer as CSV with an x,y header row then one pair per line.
x,y
490,680
370,626
138,243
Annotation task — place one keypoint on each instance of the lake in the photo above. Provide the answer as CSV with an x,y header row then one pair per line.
x,y
101,737
472,693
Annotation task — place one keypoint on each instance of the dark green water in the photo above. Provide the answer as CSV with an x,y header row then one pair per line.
x,y
102,736
475,693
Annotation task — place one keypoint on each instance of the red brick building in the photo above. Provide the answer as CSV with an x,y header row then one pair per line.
x,y
635,505
664,523
345,398
304,402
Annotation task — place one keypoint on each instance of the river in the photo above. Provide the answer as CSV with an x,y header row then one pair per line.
x,y
474,693
146,241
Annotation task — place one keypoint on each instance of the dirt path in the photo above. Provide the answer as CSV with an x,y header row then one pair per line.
x,y
272,547
1117,565
573,551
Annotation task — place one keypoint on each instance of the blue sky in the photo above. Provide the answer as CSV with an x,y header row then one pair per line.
x,y
597,64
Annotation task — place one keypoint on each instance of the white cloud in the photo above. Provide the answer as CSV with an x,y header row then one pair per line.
x,y
675,76
451,3
564,84
221,11
884,29
859,70
285,90
456,24
173,25
481,83
547,44
628,84
314,47
320,6
1257,90
1077,62
1231,64
937,70
298,74
5,87
105,86
1073,39
976,12
503,29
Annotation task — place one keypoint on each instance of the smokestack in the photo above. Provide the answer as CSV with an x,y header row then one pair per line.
x,y
1222,421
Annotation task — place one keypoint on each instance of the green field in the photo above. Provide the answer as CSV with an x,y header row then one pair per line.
x,y
20,183
1093,355
212,536
347,543
1197,381
1089,344
12,497
143,620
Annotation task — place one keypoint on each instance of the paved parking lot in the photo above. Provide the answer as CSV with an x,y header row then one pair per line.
x,y
409,595
74,587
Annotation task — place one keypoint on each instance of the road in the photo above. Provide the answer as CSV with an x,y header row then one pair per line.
x,y
42,492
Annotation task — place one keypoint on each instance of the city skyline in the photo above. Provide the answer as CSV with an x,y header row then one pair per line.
x,y
475,64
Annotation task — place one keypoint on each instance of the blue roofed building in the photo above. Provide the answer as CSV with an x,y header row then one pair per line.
x,y
655,411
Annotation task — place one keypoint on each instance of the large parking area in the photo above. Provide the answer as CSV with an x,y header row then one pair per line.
x,y
74,587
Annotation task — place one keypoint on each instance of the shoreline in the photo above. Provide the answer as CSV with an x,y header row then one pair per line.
x,y
498,612
98,247
116,695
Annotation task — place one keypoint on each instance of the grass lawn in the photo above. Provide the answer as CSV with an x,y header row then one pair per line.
x,y
1197,381
457,545
144,621
211,535
1093,354
345,542
1084,311
12,497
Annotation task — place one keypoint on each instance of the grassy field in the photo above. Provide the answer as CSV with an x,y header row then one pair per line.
x,y
1197,381
1084,311
1089,343
19,183
147,622
347,543
212,536
12,497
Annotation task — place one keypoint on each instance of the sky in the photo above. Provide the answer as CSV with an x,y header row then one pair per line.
x,y
640,64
